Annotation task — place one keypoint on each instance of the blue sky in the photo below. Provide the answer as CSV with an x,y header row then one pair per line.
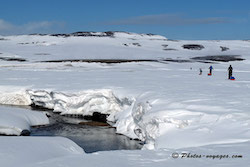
x,y
175,19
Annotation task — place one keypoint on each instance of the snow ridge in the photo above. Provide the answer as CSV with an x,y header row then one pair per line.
x,y
19,98
13,121
83,103
146,117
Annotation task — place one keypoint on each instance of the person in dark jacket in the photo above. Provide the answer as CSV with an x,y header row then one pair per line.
x,y
200,71
230,72
210,70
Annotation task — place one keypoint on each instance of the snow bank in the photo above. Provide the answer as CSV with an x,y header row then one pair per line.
x,y
83,103
58,151
15,98
14,120
163,157
25,151
162,124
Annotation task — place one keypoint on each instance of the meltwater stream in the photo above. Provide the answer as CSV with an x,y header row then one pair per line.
x,y
89,135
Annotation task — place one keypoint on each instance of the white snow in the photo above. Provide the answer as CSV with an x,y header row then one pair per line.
x,y
13,121
58,151
165,104
30,151
40,48
82,103
18,97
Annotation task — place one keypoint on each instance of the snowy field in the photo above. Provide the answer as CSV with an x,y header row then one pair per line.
x,y
165,104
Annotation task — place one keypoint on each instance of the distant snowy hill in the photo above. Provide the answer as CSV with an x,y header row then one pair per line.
x,y
113,45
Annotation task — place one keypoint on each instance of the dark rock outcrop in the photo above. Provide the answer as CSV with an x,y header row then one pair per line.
x,y
168,49
84,34
220,58
25,133
223,48
136,44
12,59
177,60
99,117
193,46
108,61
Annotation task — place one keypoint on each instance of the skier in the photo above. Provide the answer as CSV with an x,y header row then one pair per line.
x,y
210,70
200,71
230,72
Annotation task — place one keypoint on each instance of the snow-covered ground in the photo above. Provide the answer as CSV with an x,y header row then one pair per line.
x,y
120,46
13,121
58,151
165,104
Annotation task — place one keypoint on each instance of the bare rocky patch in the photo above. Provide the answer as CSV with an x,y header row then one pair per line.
x,y
165,47
12,59
193,47
42,54
177,60
220,58
82,34
23,43
132,44
169,49
172,40
108,61
223,48
136,44
3,39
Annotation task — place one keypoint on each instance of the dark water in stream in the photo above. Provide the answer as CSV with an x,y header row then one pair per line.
x,y
90,137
